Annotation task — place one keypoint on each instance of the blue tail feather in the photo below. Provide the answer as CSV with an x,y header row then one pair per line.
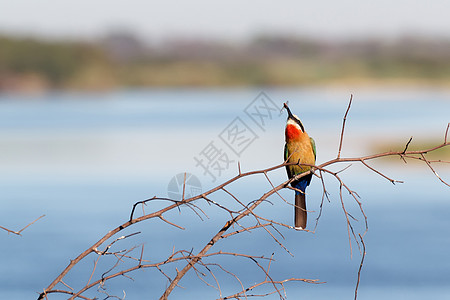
x,y
302,184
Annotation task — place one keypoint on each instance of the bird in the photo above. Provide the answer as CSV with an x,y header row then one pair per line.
x,y
301,150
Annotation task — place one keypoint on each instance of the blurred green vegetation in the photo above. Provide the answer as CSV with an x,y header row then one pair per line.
x,y
415,145
122,60
52,64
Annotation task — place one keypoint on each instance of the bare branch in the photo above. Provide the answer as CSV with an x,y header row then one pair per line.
x,y
434,172
446,133
236,223
407,144
20,231
360,265
343,126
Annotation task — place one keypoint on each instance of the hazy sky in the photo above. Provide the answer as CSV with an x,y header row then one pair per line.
x,y
226,19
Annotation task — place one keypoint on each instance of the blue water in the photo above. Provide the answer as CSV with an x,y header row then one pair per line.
x,y
84,159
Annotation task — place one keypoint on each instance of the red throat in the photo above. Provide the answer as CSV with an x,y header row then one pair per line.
x,y
292,132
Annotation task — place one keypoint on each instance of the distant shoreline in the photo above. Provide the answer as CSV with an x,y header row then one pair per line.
x,y
338,85
124,62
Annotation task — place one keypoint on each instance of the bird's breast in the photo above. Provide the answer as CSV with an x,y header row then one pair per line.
x,y
300,150
292,132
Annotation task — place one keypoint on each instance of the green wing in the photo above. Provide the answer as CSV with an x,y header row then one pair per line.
x,y
285,152
286,156
313,145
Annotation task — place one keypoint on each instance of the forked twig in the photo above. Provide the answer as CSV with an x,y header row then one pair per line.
x,y
19,232
198,260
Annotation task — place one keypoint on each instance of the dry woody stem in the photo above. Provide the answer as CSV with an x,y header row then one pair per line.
x,y
202,262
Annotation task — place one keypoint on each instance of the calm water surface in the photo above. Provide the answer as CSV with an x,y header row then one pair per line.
x,y
84,159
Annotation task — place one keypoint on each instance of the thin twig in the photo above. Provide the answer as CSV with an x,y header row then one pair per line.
x,y
184,186
343,126
247,209
407,144
20,231
360,265
432,170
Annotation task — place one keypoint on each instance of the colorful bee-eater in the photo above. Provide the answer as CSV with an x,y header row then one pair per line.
x,y
299,149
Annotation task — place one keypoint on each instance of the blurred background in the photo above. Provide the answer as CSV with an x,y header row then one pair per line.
x,y
102,104
75,45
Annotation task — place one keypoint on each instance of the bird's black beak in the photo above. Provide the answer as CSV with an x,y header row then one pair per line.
x,y
290,115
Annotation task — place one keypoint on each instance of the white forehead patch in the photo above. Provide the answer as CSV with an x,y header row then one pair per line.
x,y
292,122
